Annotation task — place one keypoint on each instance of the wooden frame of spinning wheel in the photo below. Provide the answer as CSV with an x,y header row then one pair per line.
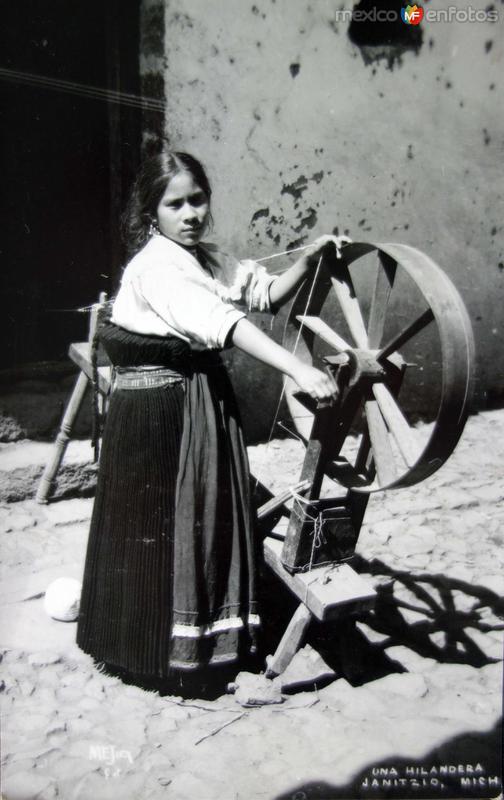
x,y
369,376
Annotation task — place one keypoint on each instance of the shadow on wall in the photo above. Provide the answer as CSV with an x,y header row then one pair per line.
x,y
481,752
380,33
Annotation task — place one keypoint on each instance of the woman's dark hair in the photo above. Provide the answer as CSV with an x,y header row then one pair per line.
x,y
150,185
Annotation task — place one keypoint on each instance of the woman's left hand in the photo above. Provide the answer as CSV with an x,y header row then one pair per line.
x,y
313,253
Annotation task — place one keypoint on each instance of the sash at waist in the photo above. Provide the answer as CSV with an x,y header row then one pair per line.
x,y
145,377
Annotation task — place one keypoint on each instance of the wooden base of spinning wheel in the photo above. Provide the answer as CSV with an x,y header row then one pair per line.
x,y
326,588
326,593
322,531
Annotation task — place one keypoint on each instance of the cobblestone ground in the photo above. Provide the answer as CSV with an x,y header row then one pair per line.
x,y
434,552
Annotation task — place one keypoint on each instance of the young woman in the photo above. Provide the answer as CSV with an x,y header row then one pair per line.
x,y
169,583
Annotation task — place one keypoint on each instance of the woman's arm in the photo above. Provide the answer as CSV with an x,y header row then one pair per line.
x,y
283,287
251,340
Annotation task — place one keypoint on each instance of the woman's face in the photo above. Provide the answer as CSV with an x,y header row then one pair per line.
x,y
183,210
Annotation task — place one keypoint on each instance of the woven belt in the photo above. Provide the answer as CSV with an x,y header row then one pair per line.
x,y
146,378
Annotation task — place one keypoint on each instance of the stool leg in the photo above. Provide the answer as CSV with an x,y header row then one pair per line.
x,y
62,438
290,642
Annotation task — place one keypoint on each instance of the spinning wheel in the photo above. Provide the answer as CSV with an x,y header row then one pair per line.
x,y
381,318
372,364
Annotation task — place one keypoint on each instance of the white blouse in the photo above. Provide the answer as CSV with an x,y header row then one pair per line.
x,y
165,291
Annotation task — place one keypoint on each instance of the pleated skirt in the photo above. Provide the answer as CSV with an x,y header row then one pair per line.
x,y
169,579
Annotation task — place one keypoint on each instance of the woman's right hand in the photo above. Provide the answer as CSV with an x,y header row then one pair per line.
x,y
320,385
253,341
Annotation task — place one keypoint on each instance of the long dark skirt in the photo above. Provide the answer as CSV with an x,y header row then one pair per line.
x,y
169,574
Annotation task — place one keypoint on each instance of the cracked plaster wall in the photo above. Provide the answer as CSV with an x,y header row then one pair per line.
x,y
304,133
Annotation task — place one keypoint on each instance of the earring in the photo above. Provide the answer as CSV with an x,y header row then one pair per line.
x,y
154,228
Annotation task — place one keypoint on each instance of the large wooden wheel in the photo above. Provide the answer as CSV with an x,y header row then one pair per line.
x,y
394,326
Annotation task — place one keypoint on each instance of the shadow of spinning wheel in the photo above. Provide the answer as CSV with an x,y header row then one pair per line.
x,y
437,616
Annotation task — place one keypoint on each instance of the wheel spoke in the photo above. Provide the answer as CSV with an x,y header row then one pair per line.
x,y
364,460
344,473
397,424
322,329
405,335
379,303
345,292
433,314
298,412
380,443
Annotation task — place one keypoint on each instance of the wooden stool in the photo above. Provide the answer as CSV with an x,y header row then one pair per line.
x,y
81,354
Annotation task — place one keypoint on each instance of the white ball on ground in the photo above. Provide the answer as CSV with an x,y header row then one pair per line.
x,y
62,599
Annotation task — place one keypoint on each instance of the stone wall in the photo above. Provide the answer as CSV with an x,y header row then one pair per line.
x,y
386,134
307,124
